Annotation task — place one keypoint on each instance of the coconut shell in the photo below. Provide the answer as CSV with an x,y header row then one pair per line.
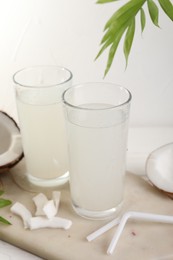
x,y
6,164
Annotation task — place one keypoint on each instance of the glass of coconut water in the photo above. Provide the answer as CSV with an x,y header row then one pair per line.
x,y
39,104
97,126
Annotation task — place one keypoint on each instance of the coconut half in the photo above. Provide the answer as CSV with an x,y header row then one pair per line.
x,y
159,168
11,151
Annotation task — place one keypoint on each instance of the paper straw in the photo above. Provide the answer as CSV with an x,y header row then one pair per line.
x,y
103,229
137,216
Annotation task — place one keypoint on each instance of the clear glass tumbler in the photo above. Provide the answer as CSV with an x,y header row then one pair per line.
x,y
97,126
41,119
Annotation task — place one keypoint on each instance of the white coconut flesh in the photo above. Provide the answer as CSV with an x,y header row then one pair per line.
x,y
11,150
159,168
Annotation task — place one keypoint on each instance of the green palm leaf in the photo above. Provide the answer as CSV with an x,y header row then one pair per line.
x,y
111,36
105,1
143,19
113,49
167,8
115,28
129,39
125,13
4,203
124,19
107,44
4,221
153,11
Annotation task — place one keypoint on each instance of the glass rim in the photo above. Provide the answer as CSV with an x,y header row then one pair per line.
x,y
41,66
95,109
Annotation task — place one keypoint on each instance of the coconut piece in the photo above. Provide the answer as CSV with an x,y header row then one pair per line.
x,y
20,210
159,168
49,209
45,206
56,195
55,222
11,151
40,200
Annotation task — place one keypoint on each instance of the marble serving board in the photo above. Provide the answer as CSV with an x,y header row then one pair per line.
x,y
139,240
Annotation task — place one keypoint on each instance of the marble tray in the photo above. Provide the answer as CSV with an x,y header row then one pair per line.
x,y
139,240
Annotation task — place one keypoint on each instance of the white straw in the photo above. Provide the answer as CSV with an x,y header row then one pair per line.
x,y
118,233
137,216
103,229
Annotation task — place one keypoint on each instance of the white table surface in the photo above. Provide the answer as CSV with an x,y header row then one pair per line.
x,y
140,143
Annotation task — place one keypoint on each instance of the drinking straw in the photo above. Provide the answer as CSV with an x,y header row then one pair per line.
x,y
138,216
103,229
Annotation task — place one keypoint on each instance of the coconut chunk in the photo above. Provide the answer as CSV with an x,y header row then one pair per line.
x,y
45,207
49,209
40,201
55,222
56,195
11,151
20,210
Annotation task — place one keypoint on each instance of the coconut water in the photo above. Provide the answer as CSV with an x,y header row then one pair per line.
x,y
44,139
97,163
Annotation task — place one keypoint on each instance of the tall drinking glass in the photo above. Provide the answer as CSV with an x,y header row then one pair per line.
x,y
41,119
97,126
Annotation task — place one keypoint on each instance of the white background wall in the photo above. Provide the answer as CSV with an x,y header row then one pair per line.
x,y
68,33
